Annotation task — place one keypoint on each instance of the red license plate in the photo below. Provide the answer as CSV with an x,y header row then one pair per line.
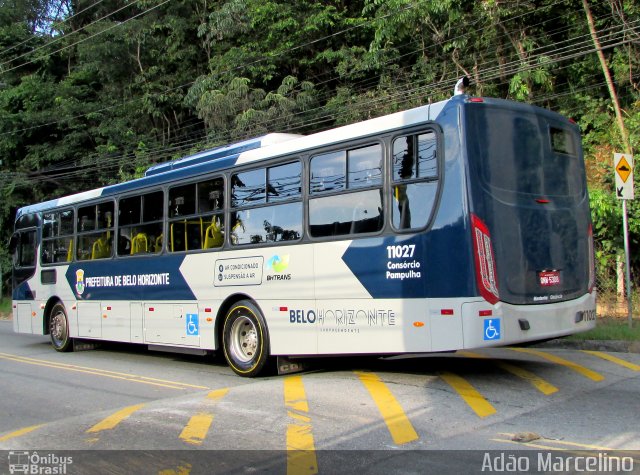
x,y
549,278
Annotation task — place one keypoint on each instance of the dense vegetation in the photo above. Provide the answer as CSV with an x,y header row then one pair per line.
x,y
93,91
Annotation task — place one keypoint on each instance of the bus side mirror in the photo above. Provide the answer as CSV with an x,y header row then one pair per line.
x,y
13,242
461,86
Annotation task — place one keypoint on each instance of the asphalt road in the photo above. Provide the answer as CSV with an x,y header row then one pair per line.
x,y
165,413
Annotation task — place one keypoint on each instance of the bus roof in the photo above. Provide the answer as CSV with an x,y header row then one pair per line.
x,y
255,149
219,152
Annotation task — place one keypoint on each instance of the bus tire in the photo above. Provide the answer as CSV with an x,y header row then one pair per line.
x,y
245,339
59,329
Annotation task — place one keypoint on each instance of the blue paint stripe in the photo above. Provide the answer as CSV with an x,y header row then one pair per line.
x,y
135,278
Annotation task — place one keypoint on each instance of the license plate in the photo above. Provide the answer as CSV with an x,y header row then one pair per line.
x,y
549,278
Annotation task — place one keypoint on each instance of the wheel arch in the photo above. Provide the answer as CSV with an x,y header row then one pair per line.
x,y
47,313
244,337
226,305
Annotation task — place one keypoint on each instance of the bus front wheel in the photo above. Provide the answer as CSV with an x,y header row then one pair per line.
x,y
59,329
245,339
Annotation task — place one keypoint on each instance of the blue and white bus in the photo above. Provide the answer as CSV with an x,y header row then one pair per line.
x,y
455,225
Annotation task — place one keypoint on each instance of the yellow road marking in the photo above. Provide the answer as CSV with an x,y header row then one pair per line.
x,y
540,384
613,359
101,372
215,396
301,452
529,444
18,433
294,394
180,470
114,419
586,372
471,396
197,428
580,447
565,442
397,422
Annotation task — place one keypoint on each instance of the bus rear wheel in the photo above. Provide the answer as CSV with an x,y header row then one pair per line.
x,y
59,329
245,339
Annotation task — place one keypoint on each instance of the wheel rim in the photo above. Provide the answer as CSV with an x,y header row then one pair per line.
x,y
243,339
58,328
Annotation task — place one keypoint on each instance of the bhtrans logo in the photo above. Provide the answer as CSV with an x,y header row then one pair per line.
x,y
38,464
278,264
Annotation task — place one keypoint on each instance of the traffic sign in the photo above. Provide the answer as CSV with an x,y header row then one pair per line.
x,y
623,165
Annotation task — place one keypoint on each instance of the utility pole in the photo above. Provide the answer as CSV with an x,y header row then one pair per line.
x,y
627,147
608,79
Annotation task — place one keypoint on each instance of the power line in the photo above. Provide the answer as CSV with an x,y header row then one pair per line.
x,y
192,82
31,38
409,94
86,38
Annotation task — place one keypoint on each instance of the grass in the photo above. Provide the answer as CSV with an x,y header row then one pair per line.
x,y
608,328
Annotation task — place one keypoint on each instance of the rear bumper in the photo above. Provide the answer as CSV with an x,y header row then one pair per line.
x,y
509,324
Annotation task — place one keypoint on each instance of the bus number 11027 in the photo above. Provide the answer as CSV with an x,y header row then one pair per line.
x,y
400,252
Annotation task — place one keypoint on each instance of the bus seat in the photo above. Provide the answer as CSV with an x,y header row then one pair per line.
x,y
70,251
158,244
213,237
139,243
100,249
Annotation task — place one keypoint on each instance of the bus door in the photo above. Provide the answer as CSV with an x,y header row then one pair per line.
x,y
23,247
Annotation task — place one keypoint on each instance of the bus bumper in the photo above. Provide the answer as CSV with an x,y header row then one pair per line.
x,y
505,324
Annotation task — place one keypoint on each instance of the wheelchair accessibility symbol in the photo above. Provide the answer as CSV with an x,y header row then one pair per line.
x,y
492,329
193,324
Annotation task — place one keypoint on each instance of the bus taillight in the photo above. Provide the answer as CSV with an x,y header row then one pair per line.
x,y
592,257
486,275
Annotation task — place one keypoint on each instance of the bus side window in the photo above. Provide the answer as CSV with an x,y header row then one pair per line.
x,y
334,209
57,237
95,231
415,180
140,224
196,218
280,220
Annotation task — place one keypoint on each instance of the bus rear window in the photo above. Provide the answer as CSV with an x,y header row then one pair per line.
x,y
562,141
518,152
